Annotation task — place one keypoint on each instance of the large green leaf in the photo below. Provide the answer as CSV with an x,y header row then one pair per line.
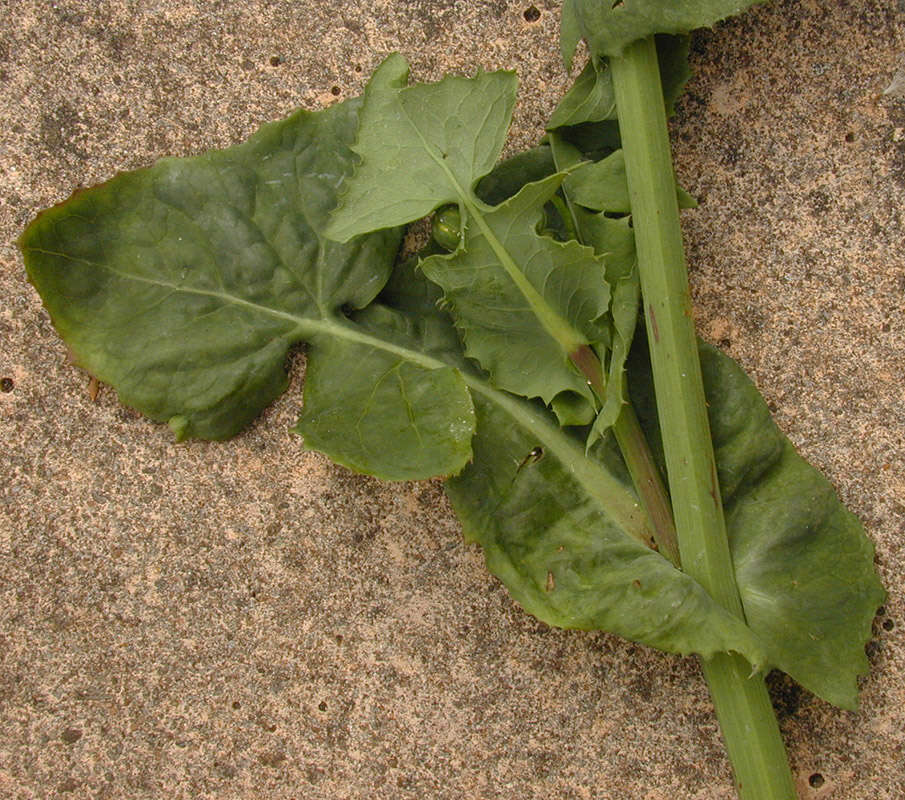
x,y
803,564
608,27
184,285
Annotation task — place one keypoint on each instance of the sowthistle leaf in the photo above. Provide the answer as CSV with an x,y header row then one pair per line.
x,y
524,302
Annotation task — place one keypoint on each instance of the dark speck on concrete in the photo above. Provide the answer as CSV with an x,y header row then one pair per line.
x,y
71,735
60,128
272,758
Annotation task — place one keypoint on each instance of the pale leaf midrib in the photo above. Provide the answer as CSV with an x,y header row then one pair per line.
x,y
615,501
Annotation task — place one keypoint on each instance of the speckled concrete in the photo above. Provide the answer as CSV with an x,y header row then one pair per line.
x,y
245,620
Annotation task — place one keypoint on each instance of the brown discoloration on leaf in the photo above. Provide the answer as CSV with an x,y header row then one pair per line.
x,y
585,359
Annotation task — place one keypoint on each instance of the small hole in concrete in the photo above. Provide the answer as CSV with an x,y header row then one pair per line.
x,y
849,137
6,384
335,91
888,625
531,14
322,705
275,61
236,705
816,780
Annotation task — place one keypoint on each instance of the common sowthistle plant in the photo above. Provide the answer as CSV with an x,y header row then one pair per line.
x,y
504,357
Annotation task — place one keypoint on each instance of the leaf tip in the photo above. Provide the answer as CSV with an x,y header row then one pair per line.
x,y
569,33
391,73
180,425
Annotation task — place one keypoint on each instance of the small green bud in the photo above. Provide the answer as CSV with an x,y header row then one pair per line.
x,y
446,227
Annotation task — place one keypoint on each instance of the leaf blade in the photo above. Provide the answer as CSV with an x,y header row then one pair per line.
x,y
421,147
602,186
563,559
391,416
185,284
610,27
788,533
591,99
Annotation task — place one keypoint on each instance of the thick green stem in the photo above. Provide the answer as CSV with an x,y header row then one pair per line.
x,y
742,703
752,738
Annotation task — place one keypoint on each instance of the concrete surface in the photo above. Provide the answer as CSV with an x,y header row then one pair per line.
x,y
245,620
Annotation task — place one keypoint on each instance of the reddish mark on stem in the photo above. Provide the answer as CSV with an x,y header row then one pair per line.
x,y
653,323
713,484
